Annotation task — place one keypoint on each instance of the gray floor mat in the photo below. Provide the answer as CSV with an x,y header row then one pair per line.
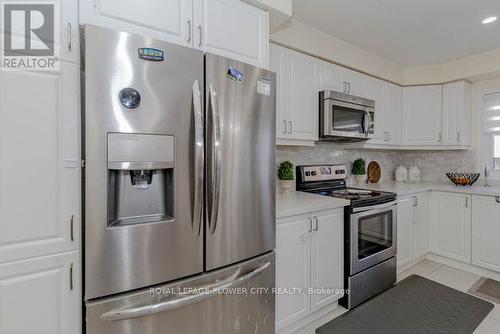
x,y
415,305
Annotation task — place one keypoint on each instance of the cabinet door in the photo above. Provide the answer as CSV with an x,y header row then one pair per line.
x,y
451,225
332,77
421,224
38,295
234,29
422,115
485,232
375,90
356,82
456,113
168,20
40,164
302,96
393,111
406,218
277,64
293,268
327,256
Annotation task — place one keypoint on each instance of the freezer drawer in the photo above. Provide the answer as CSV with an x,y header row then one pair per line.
x,y
226,301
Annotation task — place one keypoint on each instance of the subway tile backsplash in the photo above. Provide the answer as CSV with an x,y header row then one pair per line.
x,y
434,164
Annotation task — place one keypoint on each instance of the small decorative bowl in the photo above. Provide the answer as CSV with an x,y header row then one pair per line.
x,y
463,179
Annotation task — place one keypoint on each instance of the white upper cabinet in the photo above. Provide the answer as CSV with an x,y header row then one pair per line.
x,y
332,77
451,225
457,99
233,29
356,82
376,90
69,34
302,96
277,64
392,113
422,115
485,232
228,28
41,295
168,20
40,164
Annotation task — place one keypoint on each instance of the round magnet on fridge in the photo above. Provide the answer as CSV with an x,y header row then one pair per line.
x,y
130,98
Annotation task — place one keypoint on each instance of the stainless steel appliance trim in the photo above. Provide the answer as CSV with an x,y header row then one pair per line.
x,y
199,158
351,99
182,300
216,160
374,207
369,118
327,119
357,265
140,165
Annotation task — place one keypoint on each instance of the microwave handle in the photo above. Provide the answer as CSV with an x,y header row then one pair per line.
x,y
368,122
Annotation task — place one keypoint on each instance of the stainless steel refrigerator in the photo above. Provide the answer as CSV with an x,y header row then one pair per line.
x,y
179,189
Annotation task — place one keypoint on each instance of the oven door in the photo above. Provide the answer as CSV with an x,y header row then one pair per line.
x,y
373,236
343,119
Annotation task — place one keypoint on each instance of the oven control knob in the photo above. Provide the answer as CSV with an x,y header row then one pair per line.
x,y
308,173
313,173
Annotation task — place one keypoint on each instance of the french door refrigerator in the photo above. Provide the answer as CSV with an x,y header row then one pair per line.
x,y
179,189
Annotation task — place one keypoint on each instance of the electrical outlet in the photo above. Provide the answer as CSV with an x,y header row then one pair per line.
x,y
418,162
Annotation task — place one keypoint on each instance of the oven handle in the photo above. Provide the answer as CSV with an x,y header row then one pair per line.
x,y
369,118
374,207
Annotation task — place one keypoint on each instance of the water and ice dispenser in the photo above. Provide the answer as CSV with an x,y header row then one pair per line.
x,y
140,179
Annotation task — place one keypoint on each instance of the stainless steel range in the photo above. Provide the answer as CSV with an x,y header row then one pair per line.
x,y
370,231
179,203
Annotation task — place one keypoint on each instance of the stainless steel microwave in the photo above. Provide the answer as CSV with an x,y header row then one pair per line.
x,y
345,118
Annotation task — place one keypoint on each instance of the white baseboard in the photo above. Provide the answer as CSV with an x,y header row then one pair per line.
x,y
314,320
464,266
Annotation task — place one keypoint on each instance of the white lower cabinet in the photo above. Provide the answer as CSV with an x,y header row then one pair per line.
x,y
413,229
451,220
486,232
309,255
41,295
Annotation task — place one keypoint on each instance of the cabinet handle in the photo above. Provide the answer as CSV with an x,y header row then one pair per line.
x,y
440,137
415,203
284,127
466,202
189,31
316,224
459,137
200,30
497,198
310,224
71,228
349,87
290,127
71,276
345,86
68,36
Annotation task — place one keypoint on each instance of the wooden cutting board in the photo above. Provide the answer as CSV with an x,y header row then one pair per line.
x,y
374,172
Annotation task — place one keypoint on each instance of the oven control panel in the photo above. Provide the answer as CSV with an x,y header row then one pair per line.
x,y
323,172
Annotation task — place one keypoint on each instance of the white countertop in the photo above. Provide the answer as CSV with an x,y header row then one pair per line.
x,y
403,189
297,202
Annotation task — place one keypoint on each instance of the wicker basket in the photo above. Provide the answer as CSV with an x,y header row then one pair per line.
x,y
463,179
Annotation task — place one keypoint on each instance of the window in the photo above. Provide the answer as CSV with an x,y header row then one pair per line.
x,y
491,133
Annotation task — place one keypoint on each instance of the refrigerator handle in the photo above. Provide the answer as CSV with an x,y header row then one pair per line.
x,y
199,158
181,300
215,161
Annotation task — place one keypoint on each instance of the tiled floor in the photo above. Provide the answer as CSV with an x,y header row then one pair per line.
x,y
457,279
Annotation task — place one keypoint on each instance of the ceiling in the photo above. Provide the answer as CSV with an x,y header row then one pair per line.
x,y
409,32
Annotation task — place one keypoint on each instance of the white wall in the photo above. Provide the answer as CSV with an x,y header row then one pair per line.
x,y
317,43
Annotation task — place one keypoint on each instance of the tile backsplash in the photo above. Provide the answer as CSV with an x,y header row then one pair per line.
x,y
434,164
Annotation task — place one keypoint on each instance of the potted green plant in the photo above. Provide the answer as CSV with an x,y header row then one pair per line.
x,y
285,176
359,170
